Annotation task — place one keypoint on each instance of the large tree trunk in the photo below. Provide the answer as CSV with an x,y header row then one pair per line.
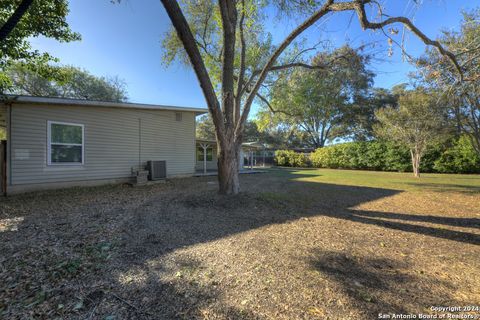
x,y
228,168
416,156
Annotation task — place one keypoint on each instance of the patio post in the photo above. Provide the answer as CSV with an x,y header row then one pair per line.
x,y
263,155
251,159
204,146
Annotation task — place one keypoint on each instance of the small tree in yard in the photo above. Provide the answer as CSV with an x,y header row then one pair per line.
x,y
416,123
232,55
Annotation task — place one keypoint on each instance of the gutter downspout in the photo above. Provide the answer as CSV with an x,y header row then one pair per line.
x,y
9,148
140,144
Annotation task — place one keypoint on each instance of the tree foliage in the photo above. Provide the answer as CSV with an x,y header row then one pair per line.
x,y
43,18
322,103
360,119
205,129
64,82
279,135
463,97
14,19
233,55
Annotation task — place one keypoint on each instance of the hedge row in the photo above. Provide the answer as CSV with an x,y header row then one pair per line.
x,y
290,158
458,156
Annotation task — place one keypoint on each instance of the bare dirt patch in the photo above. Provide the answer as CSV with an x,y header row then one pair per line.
x,y
282,249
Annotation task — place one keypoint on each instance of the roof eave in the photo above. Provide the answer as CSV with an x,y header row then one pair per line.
x,y
19,99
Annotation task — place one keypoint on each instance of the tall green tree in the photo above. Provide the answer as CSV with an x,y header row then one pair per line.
x,y
205,129
232,54
64,82
21,21
360,118
417,123
321,102
278,135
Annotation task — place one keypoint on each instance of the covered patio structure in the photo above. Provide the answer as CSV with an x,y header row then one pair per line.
x,y
206,157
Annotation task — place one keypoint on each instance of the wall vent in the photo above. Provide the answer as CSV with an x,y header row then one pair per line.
x,y
157,170
178,116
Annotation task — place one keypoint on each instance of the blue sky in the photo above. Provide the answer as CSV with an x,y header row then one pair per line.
x,y
125,40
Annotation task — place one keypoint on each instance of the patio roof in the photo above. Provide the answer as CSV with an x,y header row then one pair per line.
x,y
255,145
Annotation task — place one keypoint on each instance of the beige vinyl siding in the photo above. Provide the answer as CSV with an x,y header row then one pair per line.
x,y
115,140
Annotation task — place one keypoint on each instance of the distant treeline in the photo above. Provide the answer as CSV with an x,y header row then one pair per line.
x,y
456,156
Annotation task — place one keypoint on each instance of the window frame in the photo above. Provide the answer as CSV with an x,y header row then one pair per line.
x,y
49,144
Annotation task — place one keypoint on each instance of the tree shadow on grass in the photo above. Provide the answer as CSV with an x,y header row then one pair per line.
x,y
188,212
379,285
204,216
446,187
187,296
378,219
449,221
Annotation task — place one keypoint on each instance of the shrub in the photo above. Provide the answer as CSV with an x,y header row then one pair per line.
x,y
459,158
291,158
397,158
433,153
375,155
316,158
335,156
357,155
281,157
322,158
299,160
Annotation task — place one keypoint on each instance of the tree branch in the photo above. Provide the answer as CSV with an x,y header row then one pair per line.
x,y
203,44
289,39
241,76
323,66
305,50
228,13
298,64
12,22
185,34
265,100
359,7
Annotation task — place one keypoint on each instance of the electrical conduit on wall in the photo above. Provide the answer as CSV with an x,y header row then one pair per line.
x,y
140,144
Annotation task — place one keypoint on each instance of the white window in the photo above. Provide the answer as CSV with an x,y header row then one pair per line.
x,y
65,143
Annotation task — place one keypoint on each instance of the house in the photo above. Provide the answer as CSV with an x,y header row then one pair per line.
x,y
57,142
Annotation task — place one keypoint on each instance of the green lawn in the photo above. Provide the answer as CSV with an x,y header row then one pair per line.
x,y
469,183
